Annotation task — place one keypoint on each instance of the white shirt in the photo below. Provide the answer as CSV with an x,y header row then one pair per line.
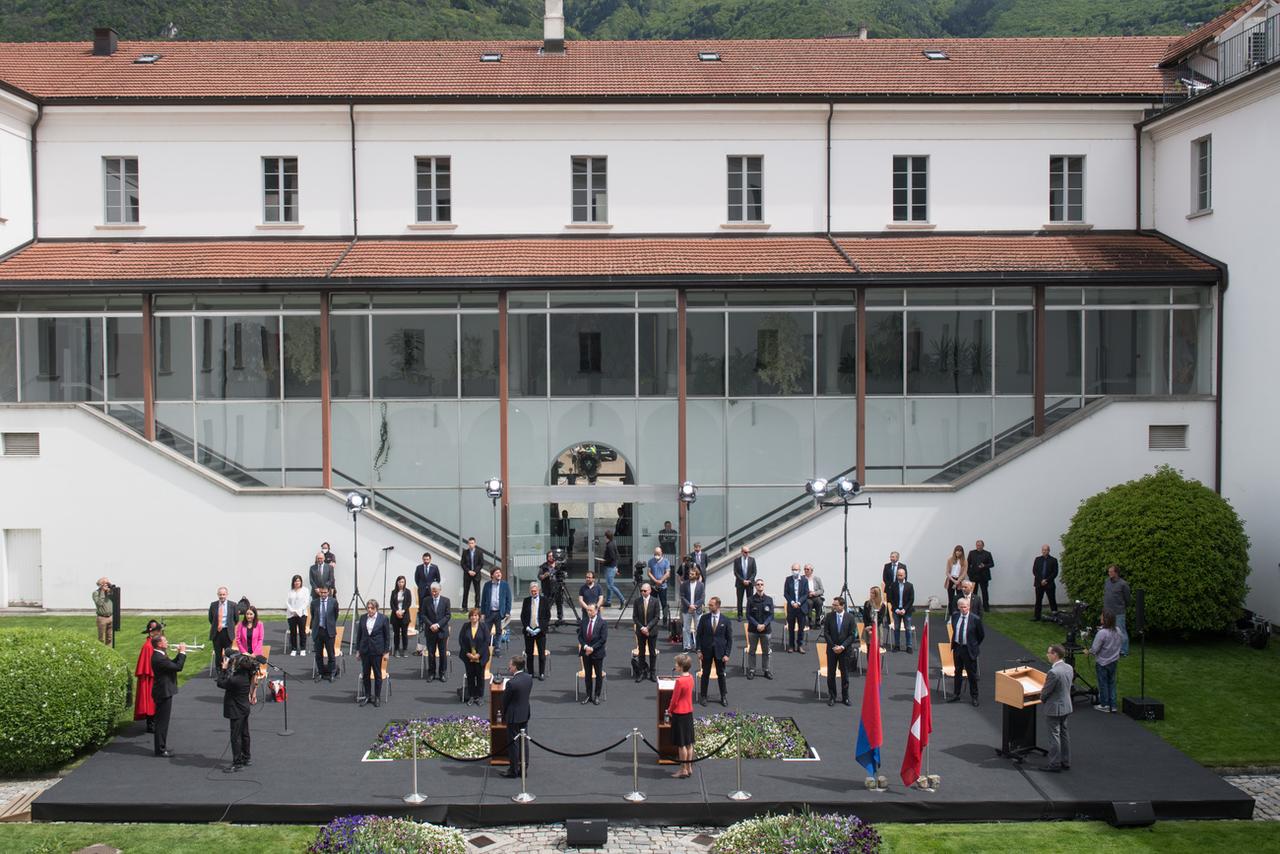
x,y
368,623
533,611
493,598
298,602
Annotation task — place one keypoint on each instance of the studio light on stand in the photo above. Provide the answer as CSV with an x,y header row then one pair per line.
x,y
688,493
356,504
493,487
845,490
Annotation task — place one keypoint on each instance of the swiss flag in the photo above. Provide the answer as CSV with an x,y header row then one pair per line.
x,y
921,715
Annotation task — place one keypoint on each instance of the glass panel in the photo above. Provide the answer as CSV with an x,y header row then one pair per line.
x,y
884,440
45,304
396,299
1127,352
415,355
433,509
836,436
1015,352
527,355
945,436
301,301
302,448
527,299
837,352
479,519
1014,417
835,298
1062,352
175,427
529,459
1126,296
8,359
770,442
1015,296
885,296
124,358
770,298
422,444
949,296
705,298
592,354
173,358
478,299
479,355
478,428
235,302
352,436
656,299
657,429
240,441
704,332
237,357
124,302
61,358
1193,296
173,302
1193,351
349,355
302,356
770,353
884,352
705,434
948,352
605,422
657,354
1063,296
593,299
707,518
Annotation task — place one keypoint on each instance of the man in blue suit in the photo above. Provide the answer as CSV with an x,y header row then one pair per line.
x,y
966,643
593,633
515,711
795,590
495,603
715,643
324,628
373,641
426,574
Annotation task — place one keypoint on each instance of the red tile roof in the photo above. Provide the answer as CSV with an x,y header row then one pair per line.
x,y
1194,39
605,259
590,69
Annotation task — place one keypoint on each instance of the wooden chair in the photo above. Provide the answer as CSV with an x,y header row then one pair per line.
x,y
262,669
947,668
448,663
337,655
820,675
484,680
386,681
862,651
950,631
581,680
746,644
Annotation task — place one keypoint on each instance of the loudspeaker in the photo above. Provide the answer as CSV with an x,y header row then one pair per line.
x,y
1139,610
1143,708
1131,814
593,832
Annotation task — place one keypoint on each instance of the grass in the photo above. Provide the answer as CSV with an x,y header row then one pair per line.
x,y
1219,695
169,838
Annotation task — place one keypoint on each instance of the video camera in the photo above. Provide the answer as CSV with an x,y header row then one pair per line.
x,y
1253,630
638,575
1073,620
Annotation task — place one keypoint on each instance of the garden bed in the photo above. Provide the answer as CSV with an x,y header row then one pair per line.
x,y
464,736
763,737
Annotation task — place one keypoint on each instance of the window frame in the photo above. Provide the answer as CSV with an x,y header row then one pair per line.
x,y
122,210
278,213
741,211
909,207
1202,174
591,215
1060,166
434,204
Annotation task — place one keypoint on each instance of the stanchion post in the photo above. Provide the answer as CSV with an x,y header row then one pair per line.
x,y
635,796
524,797
415,797
738,794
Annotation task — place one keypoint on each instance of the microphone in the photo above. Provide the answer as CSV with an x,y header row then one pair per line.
x,y
388,548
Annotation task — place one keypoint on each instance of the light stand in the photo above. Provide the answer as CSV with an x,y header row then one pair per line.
x,y
285,675
845,490
493,487
386,552
356,504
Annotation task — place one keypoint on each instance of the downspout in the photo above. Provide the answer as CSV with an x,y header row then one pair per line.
x,y
1137,176
355,212
1217,432
35,207
831,109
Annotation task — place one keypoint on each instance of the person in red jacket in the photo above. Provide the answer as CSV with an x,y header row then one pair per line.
x,y
144,707
680,711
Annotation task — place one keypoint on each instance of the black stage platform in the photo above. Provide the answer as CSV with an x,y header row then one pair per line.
x,y
317,773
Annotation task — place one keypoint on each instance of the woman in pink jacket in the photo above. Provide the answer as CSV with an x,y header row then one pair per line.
x,y
249,633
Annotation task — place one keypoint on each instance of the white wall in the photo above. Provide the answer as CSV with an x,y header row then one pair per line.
x,y
1015,508
1241,231
106,503
16,116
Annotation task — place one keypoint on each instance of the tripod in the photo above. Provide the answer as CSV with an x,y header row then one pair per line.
x,y
637,581
560,599
357,601
846,504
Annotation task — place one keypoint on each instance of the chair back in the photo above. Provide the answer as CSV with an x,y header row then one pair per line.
x,y
337,640
266,653
945,657
820,648
385,656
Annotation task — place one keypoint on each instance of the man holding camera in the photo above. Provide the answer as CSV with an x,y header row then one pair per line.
x,y
105,608
550,576
237,683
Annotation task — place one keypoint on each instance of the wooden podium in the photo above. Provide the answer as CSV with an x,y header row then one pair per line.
x,y
1018,692
667,753
497,726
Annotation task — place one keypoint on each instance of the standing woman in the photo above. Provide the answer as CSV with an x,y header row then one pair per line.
x,y
680,712
296,607
249,633
144,706
957,574
1107,643
875,610
473,649
401,605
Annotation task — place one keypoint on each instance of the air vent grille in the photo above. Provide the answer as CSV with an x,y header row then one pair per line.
x,y
22,444
1167,437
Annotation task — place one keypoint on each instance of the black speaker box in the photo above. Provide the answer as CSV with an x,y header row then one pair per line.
x,y
587,832
1143,708
1132,814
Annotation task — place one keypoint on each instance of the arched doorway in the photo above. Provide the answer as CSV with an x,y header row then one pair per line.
x,y
578,517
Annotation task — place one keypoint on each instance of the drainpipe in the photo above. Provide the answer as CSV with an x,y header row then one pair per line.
x,y
35,207
831,109
355,212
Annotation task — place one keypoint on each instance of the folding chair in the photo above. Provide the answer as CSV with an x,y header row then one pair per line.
x,y
262,669
484,680
386,681
820,675
947,668
746,644
862,650
581,681
337,655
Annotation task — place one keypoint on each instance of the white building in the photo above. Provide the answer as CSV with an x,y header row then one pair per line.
x,y
243,279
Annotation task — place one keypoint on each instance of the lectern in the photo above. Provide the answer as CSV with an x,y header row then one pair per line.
x,y
667,752
497,726
1018,693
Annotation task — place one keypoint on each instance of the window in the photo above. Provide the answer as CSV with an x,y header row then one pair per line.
x,y
280,189
746,189
434,190
1066,189
910,189
590,189
120,176
1202,172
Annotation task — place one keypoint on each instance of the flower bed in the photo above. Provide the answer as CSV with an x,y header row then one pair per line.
x,y
371,834
763,737
457,735
802,833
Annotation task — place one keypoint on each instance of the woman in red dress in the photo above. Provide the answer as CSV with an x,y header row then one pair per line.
x,y
144,707
680,710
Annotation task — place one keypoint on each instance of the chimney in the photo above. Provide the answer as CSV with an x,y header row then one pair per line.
x,y
104,41
553,27
862,33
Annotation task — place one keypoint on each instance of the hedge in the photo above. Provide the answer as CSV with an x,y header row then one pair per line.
x,y
60,693
1176,538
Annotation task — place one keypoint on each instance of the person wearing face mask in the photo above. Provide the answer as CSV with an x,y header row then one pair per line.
x,y
795,590
645,616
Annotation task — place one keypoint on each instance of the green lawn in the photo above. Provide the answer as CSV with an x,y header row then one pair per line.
x,y
148,838
1219,695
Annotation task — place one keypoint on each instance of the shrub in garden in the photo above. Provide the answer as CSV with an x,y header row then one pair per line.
x,y
371,834
801,833
60,692
1175,538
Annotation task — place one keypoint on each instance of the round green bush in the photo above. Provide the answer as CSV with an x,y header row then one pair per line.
x,y
60,692
1175,538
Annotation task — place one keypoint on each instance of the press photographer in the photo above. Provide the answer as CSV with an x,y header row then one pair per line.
x,y
239,683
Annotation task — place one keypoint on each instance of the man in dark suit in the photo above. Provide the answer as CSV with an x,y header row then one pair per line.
x,y
715,643
324,628
891,570
236,684
693,598
839,632
515,713
1044,573
795,590
699,558
373,641
163,688
593,634
495,603
645,616
320,574
424,575
535,617
980,564
433,615
472,561
966,642
744,576
902,604
222,627
759,629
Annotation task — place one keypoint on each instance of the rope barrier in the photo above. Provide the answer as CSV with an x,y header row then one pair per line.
x,y
715,752
580,755
435,749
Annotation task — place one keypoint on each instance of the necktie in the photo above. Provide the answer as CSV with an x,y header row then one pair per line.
x,y
839,621
591,624
715,623
963,621
322,610
435,606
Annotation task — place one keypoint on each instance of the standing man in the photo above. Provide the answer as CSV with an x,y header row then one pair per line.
x,y
426,574
373,641
693,596
551,584
535,616
105,609
320,574
1055,699
839,632
980,564
669,539
1044,573
699,558
515,713
744,576
902,602
324,628
759,628
164,688
816,596
645,615
891,570
593,633
222,627
1116,597
236,683
659,569
715,643
610,561
434,614
795,590
472,562
966,642
495,604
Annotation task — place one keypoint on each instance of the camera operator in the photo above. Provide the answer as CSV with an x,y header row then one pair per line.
x,y
237,683
551,576
104,606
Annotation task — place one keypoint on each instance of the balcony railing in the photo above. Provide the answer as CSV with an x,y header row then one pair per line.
x,y
1249,50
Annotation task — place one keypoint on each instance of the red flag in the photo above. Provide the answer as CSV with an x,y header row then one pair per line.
x,y
921,715
867,751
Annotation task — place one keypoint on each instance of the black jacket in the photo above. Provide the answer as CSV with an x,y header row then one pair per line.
x,y
401,600
432,615
845,637
640,619
796,589
972,641
470,565
423,577
890,573
544,612
1044,569
213,618
320,576
908,597
718,643
376,643
980,563
610,553
331,616
515,698
599,637
166,674
759,612
235,684
481,645
741,578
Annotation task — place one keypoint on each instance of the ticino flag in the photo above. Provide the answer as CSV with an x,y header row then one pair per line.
x,y
869,729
